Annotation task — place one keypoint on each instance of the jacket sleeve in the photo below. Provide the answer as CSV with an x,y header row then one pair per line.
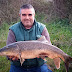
x,y
11,37
46,34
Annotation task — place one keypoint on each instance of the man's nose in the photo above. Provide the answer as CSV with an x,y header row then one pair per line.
x,y
27,17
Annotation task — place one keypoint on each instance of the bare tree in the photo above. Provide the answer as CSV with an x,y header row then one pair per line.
x,y
62,7
9,9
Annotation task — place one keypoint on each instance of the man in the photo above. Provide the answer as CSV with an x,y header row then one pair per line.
x,y
27,29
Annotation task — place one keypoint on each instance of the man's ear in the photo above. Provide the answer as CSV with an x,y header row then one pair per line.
x,y
34,14
19,14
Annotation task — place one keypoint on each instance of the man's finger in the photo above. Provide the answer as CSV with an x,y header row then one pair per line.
x,y
15,58
12,58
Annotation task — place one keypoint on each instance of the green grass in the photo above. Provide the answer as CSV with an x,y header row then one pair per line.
x,y
60,35
4,63
4,32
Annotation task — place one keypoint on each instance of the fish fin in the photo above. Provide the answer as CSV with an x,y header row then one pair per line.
x,y
70,59
67,61
21,59
67,66
43,39
57,62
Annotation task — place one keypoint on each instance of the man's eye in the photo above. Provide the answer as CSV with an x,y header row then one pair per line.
x,y
23,14
30,14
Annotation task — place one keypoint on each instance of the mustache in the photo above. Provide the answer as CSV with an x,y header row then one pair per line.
x,y
26,20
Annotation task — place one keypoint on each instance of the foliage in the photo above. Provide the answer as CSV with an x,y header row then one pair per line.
x,y
4,31
9,10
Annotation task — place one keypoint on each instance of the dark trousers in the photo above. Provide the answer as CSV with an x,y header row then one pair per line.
x,y
42,68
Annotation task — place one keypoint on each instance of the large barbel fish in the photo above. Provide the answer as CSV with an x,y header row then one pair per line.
x,y
36,48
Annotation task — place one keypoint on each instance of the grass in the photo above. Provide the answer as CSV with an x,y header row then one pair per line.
x,y
4,63
4,31
60,34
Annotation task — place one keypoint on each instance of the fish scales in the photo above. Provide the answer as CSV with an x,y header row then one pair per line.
x,y
37,45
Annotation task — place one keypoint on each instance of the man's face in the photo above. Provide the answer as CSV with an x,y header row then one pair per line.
x,y
27,17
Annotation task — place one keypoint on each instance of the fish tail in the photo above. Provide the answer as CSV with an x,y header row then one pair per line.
x,y
67,61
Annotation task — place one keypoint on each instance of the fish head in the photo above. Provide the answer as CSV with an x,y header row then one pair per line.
x,y
8,50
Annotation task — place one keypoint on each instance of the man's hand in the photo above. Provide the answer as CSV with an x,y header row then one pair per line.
x,y
12,58
43,55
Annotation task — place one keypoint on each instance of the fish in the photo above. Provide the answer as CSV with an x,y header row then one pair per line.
x,y
36,48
